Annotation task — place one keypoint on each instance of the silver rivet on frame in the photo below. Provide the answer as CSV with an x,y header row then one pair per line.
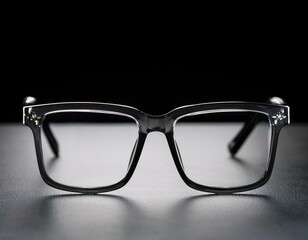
x,y
278,117
33,117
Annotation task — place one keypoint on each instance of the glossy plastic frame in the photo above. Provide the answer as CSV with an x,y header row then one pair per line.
x,y
277,112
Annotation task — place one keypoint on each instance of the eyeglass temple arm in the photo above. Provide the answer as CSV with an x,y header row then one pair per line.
x,y
249,125
46,128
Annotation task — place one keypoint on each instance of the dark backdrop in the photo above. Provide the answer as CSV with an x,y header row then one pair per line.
x,y
156,90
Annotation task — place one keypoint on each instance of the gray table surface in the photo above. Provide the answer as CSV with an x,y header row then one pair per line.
x,y
155,204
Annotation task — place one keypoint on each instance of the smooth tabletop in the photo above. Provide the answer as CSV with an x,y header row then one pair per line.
x,y
156,203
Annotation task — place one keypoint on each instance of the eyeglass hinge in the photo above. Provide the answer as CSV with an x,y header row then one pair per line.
x,y
278,117
33,117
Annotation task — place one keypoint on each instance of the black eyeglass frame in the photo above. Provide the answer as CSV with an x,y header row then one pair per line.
x,y
277,113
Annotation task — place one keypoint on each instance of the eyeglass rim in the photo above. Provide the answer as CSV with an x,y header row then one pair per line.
x,y
143,120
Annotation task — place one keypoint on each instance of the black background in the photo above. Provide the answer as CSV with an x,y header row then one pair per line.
x,y
154,67
155,88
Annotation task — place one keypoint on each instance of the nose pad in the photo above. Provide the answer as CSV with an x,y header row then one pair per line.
x,y
132,155
179,154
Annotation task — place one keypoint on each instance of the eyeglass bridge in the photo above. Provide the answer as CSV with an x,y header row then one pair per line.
x,y
156,123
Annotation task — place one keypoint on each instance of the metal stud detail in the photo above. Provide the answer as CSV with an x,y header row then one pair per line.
x,y
34,118
278,117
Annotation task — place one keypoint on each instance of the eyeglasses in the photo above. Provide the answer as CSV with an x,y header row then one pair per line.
x,y
221,147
